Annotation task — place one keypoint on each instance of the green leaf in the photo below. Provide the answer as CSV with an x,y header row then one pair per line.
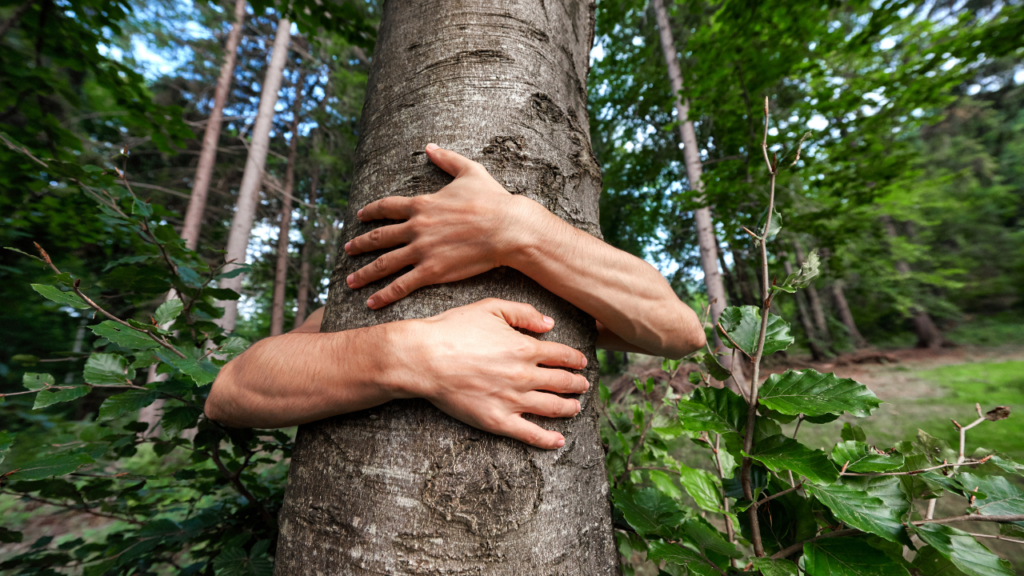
x,y
237,345
803,277
118,404
872,504
852,432
707,538
203,372
6,439
848,557
233,272
10,536
180,418
33,381
717,371
663,482
123,336
773,229
814,394
168,311
963,551
103,368
52,466
929,562
713,410
47,397
603,393
743,324
769,567
862,458
702,486
23,253
1000,496
680,556
780,454
647,510
54,294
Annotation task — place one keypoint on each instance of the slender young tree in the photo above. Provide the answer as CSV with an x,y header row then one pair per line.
x,y
805,319
813,300
845,315
706,240
211,136
281,270
403,488
308,235
248,192
928,334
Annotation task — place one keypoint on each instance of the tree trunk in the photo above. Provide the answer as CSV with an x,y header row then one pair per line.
x,y
805,320
728,277
694,173
748,285
281,271
817,312
928,334
839,297
403,488
308,233
208,155
248,192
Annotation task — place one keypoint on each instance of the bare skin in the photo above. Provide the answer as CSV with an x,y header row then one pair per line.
x,y
470,362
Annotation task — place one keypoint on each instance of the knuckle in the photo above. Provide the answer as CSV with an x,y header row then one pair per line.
x,y
375,234
385,203
381,264
399,289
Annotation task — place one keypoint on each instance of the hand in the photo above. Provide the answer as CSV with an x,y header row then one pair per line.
x,y
473,365
467,228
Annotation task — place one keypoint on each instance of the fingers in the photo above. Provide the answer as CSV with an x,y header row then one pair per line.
x,y
451,162
519,315
378,239
400,288
560,355
560,381
384,265
532,434
392,207
549,405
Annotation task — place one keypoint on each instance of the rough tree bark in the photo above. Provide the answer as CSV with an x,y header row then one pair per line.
x,y
817,311
283,240
208,154
308,233
805,319
694,173
403,488
248,192
839,297
928,334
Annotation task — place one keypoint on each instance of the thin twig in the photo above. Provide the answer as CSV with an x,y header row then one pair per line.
x,y
800,545
82,508
729,530
237,483
912,472
777,494
998,537
799,421
1000,519
731,341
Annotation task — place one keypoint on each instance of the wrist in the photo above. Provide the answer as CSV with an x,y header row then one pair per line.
x,y
397,354
528,225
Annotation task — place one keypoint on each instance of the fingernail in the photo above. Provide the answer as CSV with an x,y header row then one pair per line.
x,y
359,214
370,302
584,363
549,321
578,407
431,147
560,443
347,246
351,278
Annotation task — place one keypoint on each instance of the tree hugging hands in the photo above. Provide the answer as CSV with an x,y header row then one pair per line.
x,y
470,361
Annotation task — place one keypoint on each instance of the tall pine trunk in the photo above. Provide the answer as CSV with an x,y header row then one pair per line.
x,y
248,192
694,173
308,233
281,270
928,334
208,154
843,307
403,488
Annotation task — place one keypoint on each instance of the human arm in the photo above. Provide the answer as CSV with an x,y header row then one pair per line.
x,y
470,362
473,225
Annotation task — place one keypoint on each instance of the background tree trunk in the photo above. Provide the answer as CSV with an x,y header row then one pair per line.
x,y
283,240
839,297
694,173
817,312
308,235
403,488
805,319
248,192
928,334
208,154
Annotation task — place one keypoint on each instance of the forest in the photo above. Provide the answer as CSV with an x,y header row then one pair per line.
x,y
836,188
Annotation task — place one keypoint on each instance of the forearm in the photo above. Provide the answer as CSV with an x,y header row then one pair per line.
x,y
626,295
300,377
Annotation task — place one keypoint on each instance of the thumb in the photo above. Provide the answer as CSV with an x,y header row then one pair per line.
x,y
519,315
453,163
